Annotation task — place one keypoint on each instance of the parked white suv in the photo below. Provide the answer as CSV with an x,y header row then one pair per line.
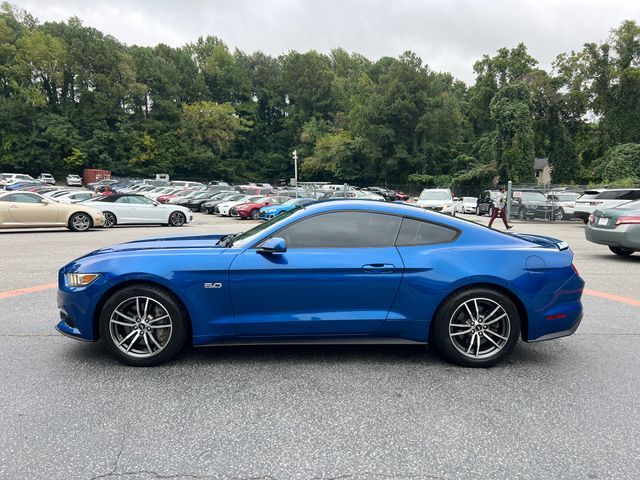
x,y
47,178
438,200
603,198
74,180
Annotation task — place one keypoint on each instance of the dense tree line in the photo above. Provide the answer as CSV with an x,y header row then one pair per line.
x,y
72,97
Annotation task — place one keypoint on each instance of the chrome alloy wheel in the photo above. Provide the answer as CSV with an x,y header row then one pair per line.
x,y
479,328
81,222
140,327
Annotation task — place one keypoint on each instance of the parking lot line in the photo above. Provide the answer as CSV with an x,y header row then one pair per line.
x,y
24,291
610,296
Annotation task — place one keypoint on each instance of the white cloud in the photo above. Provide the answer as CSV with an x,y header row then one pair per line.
x,y
449,35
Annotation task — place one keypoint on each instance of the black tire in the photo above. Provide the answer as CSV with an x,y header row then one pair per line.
x,y
80,222
559,215
585,220
177,335
522,213
623,252
478,212
452,310
490,210
110,220
255,214
177,219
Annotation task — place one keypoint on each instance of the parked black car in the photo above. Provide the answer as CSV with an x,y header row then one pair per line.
x,y
195,204
532,204
487,202
389,195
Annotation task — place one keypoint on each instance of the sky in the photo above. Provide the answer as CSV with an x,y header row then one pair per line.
x,y
449,35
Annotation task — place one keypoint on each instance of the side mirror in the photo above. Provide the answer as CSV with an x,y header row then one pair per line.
x,y
273,245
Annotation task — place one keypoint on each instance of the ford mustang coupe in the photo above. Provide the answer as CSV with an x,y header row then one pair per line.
x,y
329,272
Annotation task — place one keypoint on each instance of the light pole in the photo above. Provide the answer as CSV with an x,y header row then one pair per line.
x,y
295,171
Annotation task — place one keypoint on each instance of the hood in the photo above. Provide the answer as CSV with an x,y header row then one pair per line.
x,y
162,243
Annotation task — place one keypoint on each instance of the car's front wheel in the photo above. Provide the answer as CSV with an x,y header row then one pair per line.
x,y
476,327
478,213
80,222
177,219
143,325
623,252
255,214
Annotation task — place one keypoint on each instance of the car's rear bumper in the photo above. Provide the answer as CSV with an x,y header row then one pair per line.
x,y
556,314
626,236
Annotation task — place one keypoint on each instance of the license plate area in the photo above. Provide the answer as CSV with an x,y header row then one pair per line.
x,y
603,221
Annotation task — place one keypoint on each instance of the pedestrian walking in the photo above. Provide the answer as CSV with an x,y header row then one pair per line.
x,y
500,209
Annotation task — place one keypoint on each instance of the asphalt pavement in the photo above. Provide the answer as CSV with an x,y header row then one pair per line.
x,y
566,408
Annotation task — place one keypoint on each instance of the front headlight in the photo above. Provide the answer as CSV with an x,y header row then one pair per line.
x,y
79,279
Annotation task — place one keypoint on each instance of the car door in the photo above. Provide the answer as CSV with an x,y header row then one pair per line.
x,y
30,209
147,211
339,276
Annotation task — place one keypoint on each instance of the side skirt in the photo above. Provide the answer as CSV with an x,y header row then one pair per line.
x,y
313,341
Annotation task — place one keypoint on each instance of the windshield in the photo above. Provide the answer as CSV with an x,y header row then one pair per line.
x,y
533,197
435,195
242,239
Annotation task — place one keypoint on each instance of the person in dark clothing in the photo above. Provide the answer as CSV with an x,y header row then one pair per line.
x,y
500,209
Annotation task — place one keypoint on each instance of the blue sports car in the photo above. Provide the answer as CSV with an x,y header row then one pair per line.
x,y
335,272
271,211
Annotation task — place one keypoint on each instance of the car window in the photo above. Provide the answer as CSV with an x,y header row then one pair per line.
x,y
416,232
25,198
616,195
7,198
342,230
123,200
140,200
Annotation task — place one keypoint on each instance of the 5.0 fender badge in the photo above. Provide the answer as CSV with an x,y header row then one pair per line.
x,y
212,285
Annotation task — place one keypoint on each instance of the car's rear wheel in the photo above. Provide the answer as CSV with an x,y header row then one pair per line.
x,y
623,252
490,211
559,215
80,222
109,220
177,219
476,327
522,213
143,325
478,212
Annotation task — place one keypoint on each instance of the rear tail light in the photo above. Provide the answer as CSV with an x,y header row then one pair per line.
x,y
592,218
628,220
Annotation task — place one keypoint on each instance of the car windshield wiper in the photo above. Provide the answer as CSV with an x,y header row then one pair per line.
x,y
227,240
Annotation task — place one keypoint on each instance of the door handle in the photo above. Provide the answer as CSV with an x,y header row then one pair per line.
x,y
378,268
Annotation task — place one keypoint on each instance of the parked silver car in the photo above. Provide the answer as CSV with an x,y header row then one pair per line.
x,y
617,227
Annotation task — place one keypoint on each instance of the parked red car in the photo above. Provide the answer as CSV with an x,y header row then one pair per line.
x,y
166,198
402,196
252,209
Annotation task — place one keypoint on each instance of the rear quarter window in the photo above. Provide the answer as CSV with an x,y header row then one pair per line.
x,y
416,232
